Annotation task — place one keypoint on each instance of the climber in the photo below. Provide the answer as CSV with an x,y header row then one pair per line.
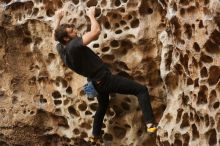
x,y
77,56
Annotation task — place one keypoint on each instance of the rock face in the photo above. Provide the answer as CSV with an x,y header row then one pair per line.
x,y
190,69
172,47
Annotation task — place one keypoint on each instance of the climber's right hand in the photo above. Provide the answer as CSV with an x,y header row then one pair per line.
x,y
91,12
60,14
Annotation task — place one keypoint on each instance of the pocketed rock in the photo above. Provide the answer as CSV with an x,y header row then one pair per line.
x,y
172,47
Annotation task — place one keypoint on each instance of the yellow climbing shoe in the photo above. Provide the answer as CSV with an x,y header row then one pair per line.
x,y
152,129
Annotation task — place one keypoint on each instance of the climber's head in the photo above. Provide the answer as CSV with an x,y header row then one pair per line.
x,y
64,33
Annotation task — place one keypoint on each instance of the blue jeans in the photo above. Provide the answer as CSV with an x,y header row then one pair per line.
x,y
118,84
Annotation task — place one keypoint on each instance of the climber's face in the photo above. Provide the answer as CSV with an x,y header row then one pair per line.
x,y
72,32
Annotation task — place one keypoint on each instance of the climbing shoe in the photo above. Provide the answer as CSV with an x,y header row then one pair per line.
x,y
93,140
152,128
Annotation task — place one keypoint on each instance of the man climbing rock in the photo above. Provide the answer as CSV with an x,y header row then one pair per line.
x,y
81,59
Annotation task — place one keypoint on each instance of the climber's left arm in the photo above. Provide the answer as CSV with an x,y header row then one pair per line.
x,y
58,18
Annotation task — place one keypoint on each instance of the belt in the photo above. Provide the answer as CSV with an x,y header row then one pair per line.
x,y
98,82
101,80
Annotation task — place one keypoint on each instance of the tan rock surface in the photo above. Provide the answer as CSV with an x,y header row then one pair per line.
x,y
172,47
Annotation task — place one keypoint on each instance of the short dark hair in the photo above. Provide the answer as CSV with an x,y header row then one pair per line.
x,y
60,33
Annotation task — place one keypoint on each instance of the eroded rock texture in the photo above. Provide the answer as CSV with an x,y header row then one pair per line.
x,y
170,46
190,69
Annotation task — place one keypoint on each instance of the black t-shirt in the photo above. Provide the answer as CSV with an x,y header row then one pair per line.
x,y
82,60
